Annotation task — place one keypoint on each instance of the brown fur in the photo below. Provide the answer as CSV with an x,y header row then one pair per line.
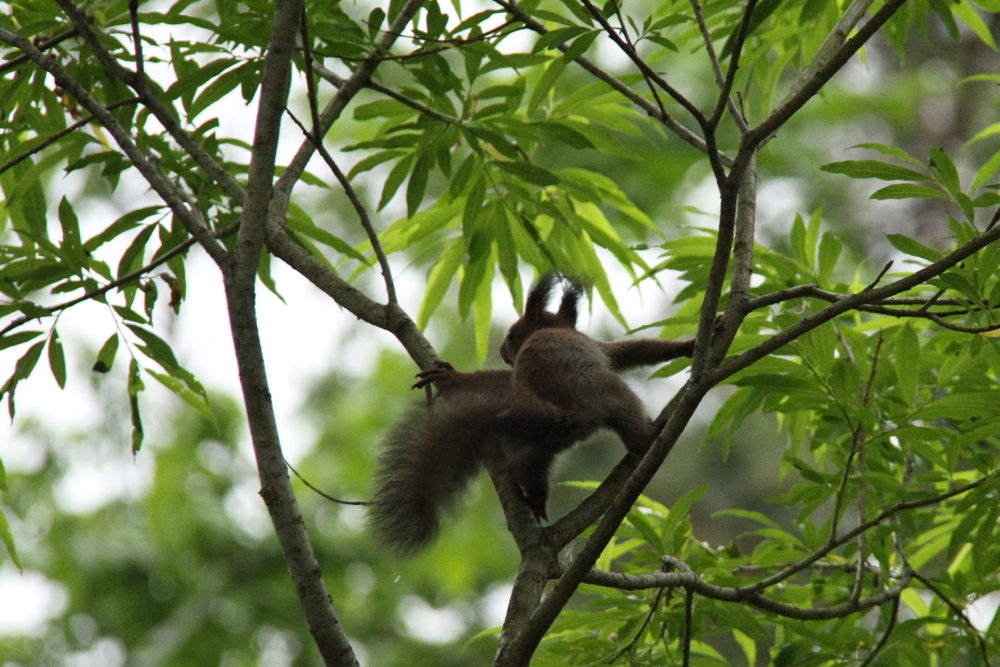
x,y
563,387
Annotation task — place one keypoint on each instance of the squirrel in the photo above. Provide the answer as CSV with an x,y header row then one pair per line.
x,y
563,386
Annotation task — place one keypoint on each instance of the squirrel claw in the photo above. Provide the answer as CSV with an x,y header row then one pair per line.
x,y
440,372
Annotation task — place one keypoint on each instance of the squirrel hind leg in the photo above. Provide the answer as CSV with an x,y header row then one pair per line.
x,y
533,478
637,434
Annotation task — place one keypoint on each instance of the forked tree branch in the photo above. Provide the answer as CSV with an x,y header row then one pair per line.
x,y
152,101
163,187
692,582
852,302
626,91
351,86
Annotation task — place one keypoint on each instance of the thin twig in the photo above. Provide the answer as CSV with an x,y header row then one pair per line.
x,y
646,70
822,74
884,639
688,627
321,493
359,208
166,116
930,302
648,107
133,10
127,278
642,628
452,44
59,135
958,611
283,187
734,65
857,441
631,45
338,81
806,291
864,527
881,274
720,78
696,584
162,186
43,45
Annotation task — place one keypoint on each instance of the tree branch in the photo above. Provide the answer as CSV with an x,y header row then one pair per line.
x,y
865,297
692,582
44,45
651,109
339,81
124,280
959,612
864,527
391,317
63,133
361,76
150,98
163,187
823,73
239,275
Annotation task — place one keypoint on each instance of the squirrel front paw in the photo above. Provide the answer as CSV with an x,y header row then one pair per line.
x,y
441,372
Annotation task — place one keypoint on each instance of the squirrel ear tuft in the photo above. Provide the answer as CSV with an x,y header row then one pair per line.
x,y
538,297
569,306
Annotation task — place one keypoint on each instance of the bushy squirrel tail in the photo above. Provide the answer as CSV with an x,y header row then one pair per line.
x,y
427,460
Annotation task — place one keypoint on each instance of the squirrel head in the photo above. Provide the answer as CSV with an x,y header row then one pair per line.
x,y
536,317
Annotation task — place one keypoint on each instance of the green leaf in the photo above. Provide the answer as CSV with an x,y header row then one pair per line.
x,y
394,180
106,357
482,310
302,224
120,226
970,17
57,360
373,161
829,252
874,169
8,540
418,182
135,252
530,173
549,77
945,169
474,203
679,513
907,362
982,134
565,134
580,45
71,244
440,280
135,386
472,278
966,405
554,38
10,340
194,400
375,18
891,151
382,109
645,528
908,246
986,172
907,191
222,86
156,348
